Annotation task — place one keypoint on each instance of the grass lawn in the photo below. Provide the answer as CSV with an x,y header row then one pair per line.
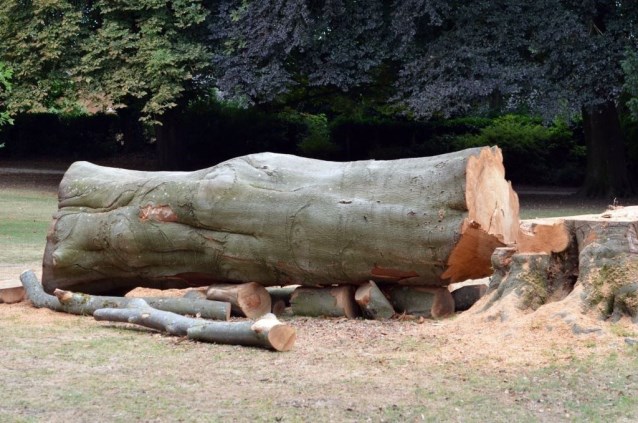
x,y
57,367
25,216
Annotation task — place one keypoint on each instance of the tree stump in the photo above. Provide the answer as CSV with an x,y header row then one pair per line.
x,y
281,220
596,271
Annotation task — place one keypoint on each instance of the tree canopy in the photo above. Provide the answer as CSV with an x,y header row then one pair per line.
x,y
415,58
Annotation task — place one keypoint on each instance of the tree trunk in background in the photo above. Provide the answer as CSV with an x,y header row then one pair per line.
x,y
168,146
279,220
607,174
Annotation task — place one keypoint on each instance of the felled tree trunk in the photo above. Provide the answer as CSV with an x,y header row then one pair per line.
x,y
247,299
83,304
281,220
267,332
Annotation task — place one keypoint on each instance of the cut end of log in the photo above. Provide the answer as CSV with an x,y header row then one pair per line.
x,y
11,292
282,337
492,221
248,299
472,255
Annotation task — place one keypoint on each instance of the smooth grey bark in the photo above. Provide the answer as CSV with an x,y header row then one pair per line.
x,y
83,304
373,302
267,332
280,220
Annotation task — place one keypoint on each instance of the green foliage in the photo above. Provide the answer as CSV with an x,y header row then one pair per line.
x,y
147,54
40,42
630,68
315,141
5,87
532,151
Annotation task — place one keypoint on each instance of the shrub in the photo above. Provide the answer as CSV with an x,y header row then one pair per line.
x,y
533,152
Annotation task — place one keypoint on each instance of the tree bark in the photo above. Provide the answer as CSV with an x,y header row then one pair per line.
x,y
282,220
423,301
373,302
83,304
247,299
267,332
607,174
280,297
596,272
327,302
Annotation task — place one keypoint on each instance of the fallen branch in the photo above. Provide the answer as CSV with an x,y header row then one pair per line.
x,y
267,332
83,304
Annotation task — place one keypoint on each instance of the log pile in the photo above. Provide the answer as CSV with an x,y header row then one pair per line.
x,y
269,233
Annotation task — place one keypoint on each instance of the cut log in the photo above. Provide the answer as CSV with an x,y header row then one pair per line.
x,y
280,297
423,301
83,304
466,296
281,220
247,299
328,302
373,302
11,292
267,332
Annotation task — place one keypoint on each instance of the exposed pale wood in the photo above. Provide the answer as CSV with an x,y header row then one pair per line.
x,y
280,220
11,292
469,259
335,301
424,301
543,236
247,299
373,302
76,303
267,332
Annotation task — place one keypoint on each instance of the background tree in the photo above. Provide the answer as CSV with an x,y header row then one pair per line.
x,y
442,58
143,58
5,87
40,43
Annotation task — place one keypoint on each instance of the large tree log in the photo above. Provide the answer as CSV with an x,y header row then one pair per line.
x,y
280,220
83,304
267,332
247,299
